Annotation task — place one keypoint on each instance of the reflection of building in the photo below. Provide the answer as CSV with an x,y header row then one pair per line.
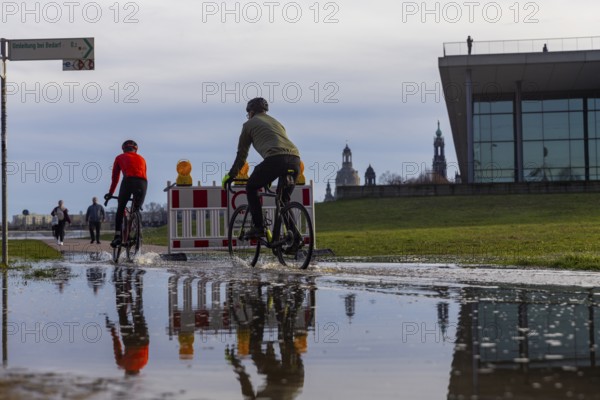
x,y
526,344
350,305
521,117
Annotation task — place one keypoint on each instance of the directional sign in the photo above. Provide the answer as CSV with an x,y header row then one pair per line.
x,y
51,49
78,65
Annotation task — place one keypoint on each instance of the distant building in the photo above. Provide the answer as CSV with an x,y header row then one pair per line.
x,y
518,114
328,194
347,176
439,158
32,219
370,176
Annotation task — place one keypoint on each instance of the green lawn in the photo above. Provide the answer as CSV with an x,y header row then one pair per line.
x,y
30,250
560,230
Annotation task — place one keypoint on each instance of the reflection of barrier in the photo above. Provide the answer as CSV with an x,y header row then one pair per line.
x,y
198,305
198,216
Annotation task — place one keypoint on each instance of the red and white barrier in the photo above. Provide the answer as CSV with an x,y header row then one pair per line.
x,y
198,216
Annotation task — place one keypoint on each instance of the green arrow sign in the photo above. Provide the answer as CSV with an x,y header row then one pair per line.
x,y
50,49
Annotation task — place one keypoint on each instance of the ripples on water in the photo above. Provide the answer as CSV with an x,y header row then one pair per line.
x,y
207,329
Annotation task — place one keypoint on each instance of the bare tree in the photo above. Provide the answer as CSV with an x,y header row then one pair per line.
x,y
390,178
428,177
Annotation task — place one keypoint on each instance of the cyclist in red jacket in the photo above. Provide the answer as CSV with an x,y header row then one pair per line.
x,y
134,183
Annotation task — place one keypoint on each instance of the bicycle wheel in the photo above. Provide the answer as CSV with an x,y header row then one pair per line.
x,y
117,250
295,231
240,248
134,238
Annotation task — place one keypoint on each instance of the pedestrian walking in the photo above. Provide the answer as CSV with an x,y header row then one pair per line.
x,y
62,213
95,217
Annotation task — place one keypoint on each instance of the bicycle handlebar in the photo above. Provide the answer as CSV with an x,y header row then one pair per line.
x,y
117,197
107,200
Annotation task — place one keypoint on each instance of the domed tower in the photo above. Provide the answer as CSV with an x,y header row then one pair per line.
x,y
347,176
328,195
370,176
439,159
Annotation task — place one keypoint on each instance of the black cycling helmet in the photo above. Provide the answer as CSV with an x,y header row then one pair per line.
x,y
257,105
129,145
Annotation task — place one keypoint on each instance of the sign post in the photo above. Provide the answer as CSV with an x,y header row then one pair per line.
x,y
3,139
76,54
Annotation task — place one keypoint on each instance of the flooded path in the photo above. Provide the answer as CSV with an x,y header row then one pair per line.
x,y
211,330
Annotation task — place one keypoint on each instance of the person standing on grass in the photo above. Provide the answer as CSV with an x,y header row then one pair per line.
x,y
95,217
62,214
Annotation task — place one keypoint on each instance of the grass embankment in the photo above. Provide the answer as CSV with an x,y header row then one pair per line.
x,y
30,250
559,230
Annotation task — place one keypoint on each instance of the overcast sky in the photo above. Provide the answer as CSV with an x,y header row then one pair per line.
x,y
175,76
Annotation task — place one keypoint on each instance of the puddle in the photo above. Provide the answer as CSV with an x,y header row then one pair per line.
x,y
207,330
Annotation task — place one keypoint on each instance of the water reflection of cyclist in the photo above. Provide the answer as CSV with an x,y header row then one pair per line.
x,y
284,376
132,354
134,182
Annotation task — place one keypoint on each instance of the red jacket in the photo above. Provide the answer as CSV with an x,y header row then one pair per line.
x,y
131,164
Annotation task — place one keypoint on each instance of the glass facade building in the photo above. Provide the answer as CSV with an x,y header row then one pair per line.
x,y
524,117
560,140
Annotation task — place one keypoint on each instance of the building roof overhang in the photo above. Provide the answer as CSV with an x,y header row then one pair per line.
x,y
496,76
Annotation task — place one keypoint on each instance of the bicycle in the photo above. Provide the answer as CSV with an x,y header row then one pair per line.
x,y
131,231
292,239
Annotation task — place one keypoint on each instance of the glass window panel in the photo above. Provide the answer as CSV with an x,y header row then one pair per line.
x,y
502,127
594,124
593,146
556,105
566,174
576,125
503,155
484,107
533,159
477,155
575,104
476,107
483,155
556,126
501,107
577,154
505,175
557,154
531,106
485,129
532,127
593,104
476,129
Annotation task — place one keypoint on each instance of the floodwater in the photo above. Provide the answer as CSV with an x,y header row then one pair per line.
x,y
207,329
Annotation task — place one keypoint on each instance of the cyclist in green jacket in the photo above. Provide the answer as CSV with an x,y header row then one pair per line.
x,y
270,140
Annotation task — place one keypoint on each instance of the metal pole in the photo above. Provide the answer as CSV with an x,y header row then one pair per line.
x,y
3,123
